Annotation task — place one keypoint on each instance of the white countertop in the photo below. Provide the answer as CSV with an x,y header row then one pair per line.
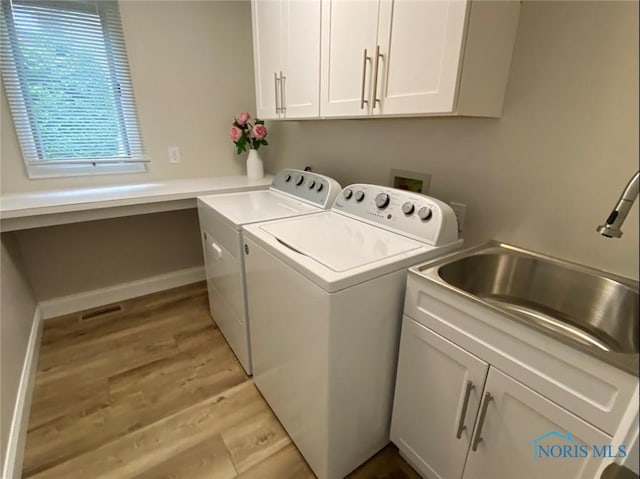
x,y
46,208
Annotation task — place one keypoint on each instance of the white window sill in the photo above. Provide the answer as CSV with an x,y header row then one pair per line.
x,y
35,172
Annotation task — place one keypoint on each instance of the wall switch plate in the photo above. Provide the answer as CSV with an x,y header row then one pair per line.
x,y
460,210
174,154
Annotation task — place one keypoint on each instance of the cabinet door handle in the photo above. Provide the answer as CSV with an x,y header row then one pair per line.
x,y
283,101
478,438
465,404
275,81
379,55
217,249
365,59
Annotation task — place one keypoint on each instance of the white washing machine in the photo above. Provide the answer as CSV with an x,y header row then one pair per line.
x,y
326,296
292,193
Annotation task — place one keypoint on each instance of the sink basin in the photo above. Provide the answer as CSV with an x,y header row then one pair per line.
x,y
591,308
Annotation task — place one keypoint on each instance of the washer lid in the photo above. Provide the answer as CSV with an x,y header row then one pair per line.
x,y
338,242
254,206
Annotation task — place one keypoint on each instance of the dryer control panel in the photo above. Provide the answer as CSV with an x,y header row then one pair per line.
x,y
412,214
317,189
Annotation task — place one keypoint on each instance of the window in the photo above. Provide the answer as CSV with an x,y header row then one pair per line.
x,y
66,75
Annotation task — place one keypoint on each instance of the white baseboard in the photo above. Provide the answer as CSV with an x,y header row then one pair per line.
x,y
20,420
90,299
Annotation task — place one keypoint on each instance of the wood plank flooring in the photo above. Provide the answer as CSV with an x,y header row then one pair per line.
x,y
152,391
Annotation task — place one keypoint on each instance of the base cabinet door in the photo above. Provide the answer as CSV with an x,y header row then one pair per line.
x,y
438,391
520,434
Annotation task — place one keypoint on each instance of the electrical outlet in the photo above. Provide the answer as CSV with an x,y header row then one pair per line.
x,y
460,210
174,154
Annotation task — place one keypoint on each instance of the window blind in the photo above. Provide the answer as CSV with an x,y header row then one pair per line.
x,y
66,75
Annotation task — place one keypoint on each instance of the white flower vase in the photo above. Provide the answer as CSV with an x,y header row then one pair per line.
x,y
255,167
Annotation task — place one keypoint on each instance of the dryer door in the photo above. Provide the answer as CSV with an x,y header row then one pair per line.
x,y
226,296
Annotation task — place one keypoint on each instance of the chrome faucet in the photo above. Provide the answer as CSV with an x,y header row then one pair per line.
x,y
611,227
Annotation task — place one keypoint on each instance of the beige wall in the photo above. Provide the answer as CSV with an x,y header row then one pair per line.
x,y
545,174
17,308
68,259
192,69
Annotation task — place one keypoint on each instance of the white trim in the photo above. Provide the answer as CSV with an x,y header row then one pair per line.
x,y
20,421
99,297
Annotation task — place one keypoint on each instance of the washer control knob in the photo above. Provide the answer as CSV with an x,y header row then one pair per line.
x,y
319,187
287,178
348,193
299,179
311,184
359,195
382,200
408,208
424,213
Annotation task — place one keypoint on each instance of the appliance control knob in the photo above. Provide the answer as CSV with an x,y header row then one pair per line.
x,y
319,187
348,193
299,179
359,196
424,213
408,208
382,200
287,178
311,184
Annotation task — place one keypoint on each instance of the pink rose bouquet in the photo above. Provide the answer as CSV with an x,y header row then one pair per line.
x,y
243,133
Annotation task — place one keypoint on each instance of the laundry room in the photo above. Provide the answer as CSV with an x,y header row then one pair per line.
x,y
251,238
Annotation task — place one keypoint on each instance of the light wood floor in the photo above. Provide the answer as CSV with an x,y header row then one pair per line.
x,y
154,391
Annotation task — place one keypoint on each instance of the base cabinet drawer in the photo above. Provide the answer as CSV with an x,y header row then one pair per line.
x,y
455,416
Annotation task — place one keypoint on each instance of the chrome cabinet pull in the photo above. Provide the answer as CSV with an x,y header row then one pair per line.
x,y
365,59
478,438
283,101
379,55
275,80
465,404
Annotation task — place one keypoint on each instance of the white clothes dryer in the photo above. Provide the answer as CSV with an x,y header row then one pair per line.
x,y
325,296
222,217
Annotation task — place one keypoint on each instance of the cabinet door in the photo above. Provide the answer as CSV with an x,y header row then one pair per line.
x,y
348,28
421,44
267,54
517,421
438,391
301,58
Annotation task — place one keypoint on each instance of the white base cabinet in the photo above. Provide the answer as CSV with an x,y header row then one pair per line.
x,y
455,416
437,397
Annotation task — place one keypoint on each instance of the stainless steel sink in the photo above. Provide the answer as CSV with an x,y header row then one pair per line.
x,y
592,309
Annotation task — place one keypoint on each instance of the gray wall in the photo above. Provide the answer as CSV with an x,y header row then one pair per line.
x,y
192,70
545,174
17,308
67,259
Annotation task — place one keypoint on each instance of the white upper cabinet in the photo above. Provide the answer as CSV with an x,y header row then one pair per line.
x,y
267,34
286,49
349,33
415,57
420,44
